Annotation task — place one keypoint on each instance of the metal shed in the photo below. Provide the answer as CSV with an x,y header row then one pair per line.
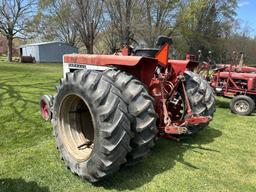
x,y
47,51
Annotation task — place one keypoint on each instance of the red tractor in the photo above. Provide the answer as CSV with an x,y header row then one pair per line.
x,y
109,109
236,68
237,82
237,85
240,67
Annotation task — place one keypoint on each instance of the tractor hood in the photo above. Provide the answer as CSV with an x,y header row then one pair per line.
x,y
248,69
239,75
243,69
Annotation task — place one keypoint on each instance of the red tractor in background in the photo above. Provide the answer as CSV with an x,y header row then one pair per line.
x,y
237,67
109,109
237,82
239,86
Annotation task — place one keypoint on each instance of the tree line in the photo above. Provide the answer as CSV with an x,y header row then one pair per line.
x,y
102,26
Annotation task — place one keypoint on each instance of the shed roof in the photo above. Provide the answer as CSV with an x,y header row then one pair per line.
x,y
44,43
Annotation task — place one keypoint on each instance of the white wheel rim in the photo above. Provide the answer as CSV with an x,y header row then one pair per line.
x,y
242,106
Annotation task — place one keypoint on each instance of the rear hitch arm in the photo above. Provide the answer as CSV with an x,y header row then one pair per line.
x,y
189,110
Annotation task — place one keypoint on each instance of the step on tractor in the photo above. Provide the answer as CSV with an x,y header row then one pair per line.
x,y
236,82
110,109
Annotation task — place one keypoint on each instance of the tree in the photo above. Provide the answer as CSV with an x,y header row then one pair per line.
x,y
14,17
110,39
159,18
205,24
142,21
57,20
119,12
241,41
89,21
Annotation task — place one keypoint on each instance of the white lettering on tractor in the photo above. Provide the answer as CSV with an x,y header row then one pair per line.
x,y
70,67
75,66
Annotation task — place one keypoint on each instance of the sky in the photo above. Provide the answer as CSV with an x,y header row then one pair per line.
x,y
246,14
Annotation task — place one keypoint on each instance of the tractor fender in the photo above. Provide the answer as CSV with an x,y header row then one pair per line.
x,y
180,66
103,60
142,68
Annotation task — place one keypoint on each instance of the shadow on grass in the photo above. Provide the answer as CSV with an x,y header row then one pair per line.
x,y
163,157
12,92
20,185
223,104
19,108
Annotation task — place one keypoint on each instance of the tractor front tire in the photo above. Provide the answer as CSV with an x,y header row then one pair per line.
x,y
242,105
141,108
92,125
46,103
201,97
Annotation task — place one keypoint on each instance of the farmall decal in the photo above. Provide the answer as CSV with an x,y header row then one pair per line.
x,y
76,66
70,67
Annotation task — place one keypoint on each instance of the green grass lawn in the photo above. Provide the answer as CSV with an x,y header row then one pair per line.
x,y
219,158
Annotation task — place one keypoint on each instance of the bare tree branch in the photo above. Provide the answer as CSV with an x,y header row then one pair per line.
x,y
89,20
14,17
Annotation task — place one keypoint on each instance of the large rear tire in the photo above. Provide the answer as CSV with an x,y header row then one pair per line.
x,y
91,123
201,97
141,108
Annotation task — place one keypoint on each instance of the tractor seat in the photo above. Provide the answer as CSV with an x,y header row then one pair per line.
x,y
146,52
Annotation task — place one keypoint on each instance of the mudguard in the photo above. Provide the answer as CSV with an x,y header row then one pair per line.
x,y
179,66
142,68
104,60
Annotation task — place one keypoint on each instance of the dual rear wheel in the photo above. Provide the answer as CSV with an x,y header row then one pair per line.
x,y
103,120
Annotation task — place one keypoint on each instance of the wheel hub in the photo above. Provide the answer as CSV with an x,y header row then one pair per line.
x,y
242,106
44,110
76,127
